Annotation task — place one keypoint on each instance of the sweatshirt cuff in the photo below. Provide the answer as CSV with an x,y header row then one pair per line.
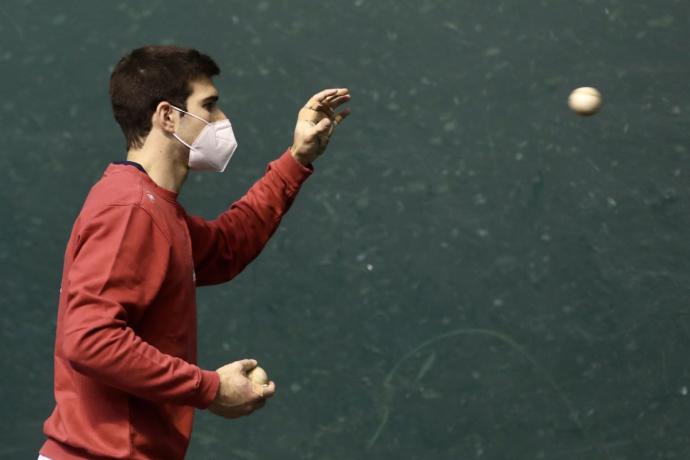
x,y
291,170
208,388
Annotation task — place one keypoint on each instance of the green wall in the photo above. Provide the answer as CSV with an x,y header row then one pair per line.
x,y
473,271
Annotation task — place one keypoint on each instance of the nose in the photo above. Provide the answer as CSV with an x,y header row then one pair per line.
x,y
220,116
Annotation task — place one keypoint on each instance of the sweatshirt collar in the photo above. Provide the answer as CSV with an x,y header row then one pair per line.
x,y
130,166
131,163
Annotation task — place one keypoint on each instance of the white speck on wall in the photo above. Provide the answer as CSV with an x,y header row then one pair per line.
x,y
479,199
684,390
59,19
492,51
425,81
370,267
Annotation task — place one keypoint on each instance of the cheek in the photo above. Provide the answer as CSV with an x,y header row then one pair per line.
x,y
190,131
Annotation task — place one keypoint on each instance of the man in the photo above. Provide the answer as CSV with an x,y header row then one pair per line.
x,y
126,383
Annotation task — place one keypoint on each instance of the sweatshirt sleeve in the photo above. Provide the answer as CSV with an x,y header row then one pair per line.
x,y
224,246
119,263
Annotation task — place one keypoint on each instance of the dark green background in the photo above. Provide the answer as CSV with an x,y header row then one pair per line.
x,y
472,272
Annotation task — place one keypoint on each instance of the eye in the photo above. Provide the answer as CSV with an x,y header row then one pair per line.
x,y
210,106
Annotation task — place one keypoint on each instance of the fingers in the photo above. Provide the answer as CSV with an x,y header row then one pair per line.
x,y
251,403
329,98
238,411
246,365
338,100
319,98
323,131
323,103
341,116
266,390
323,126
338,94
269,389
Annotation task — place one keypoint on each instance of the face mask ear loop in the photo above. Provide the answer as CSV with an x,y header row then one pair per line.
x,y
190,114
183,142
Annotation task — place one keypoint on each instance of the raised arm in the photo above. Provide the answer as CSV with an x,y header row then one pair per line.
x,y
224,246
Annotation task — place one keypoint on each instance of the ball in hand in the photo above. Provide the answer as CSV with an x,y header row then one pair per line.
x,y
585,101
258,375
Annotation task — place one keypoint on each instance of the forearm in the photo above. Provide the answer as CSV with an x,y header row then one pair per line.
x,y
225,246
116,356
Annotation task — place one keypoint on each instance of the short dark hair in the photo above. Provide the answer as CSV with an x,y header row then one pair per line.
x,y
149,75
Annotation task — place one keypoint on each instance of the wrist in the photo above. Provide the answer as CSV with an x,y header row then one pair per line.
x,y
209,388
301,159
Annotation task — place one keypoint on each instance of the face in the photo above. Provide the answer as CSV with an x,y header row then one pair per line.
x,y
203,102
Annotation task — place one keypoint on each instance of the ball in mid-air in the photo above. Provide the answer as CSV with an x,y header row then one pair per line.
x,y
258,375
585,101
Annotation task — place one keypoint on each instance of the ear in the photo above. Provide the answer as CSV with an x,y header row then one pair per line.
x,y
165,117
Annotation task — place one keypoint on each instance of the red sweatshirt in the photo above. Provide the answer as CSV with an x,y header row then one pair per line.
x,y
125,380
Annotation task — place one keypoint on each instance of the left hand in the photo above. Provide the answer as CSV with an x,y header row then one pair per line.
x,y
316,122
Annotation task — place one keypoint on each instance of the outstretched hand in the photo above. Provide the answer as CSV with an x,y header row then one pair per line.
x,y
316,122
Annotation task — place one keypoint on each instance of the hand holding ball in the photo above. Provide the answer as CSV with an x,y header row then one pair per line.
x,y
258,375
585,101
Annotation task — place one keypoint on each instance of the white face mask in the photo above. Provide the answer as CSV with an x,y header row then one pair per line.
x,y
213,147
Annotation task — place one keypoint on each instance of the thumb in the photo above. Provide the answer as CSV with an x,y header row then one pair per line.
x,y
247,365
265,390
324,125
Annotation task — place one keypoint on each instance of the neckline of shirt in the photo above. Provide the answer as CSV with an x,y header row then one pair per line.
x,y
136,168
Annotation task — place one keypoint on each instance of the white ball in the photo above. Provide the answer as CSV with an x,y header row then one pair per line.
x,y
585,101
258,375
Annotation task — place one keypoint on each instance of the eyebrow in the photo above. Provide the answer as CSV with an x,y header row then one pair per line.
x,y
208,99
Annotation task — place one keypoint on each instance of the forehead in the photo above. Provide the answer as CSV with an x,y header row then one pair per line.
x,y
202,89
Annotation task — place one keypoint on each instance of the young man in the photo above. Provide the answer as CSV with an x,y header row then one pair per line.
x,y
126,383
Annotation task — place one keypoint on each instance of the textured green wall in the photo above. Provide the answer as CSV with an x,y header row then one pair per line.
x,y
473,271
